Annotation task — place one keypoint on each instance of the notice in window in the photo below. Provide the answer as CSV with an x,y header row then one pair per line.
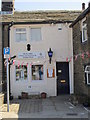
x,y
21,73
50,73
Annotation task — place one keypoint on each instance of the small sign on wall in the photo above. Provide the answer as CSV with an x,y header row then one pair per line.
x,y
50,73
6,52
22,55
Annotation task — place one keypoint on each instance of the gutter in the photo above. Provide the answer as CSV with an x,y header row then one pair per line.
x,y
37,22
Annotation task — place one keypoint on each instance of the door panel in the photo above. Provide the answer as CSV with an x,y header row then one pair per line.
x,y
62,71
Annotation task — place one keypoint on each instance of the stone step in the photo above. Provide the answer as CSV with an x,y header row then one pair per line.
x,y
1,99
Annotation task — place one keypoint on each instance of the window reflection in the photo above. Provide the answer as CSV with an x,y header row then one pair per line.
x,y
37,72
21,72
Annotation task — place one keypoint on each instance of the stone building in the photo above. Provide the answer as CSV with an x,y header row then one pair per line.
x,y
81,51
57,20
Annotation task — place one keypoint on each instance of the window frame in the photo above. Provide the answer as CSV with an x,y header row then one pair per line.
x,y
43,73
87,74
21,80
20,32
84,26
31,34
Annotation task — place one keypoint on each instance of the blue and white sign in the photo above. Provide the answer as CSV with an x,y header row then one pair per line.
x,y
6,52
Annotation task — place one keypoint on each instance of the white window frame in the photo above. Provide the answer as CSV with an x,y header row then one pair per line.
x,y
87,72
31,34
20,32
84,26
21,80
31,73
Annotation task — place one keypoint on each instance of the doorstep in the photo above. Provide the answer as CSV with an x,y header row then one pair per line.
x,y
1,99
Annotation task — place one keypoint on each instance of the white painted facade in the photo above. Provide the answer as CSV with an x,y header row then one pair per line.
x,y
58,37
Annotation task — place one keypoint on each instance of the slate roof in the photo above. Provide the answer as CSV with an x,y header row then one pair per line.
x,y
42,16
81,16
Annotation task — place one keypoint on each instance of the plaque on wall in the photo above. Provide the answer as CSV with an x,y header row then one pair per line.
x,y
31,55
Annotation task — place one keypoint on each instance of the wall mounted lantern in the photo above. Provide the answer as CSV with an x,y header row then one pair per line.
x,y
50,54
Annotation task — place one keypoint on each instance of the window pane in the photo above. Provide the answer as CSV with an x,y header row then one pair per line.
x,y
37,72
20,30
35,34
89,78
21,72
18,37
87,69
84,33
23,37
20,34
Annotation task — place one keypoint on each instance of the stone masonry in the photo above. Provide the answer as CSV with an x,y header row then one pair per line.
x,y
78,47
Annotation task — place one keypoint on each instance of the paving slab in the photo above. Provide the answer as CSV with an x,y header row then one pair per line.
x,y
54,107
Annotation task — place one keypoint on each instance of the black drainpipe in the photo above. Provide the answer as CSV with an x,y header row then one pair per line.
x,y
3,78
10,25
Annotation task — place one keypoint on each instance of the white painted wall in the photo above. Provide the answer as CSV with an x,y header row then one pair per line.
x,y
60,41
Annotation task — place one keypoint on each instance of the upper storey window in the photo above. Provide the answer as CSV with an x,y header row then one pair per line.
x,y
20,34
84,30
36,34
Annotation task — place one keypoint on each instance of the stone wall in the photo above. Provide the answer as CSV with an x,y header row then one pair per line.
x,y
1,99
79,75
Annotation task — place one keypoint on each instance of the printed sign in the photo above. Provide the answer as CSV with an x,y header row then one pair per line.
x,y
50,73
6,52
31,55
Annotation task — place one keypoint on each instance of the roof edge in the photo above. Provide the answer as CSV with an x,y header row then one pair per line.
x,y
36,22
81,16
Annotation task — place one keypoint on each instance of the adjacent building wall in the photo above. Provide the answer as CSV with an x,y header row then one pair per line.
x,y
79,74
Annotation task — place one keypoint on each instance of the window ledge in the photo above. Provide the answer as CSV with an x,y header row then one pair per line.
x,y
84,42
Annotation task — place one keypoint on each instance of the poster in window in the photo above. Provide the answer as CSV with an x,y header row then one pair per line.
x,y
50,73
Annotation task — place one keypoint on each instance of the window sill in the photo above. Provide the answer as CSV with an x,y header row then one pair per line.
x,y
22,80
84,42
88,84
37,80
